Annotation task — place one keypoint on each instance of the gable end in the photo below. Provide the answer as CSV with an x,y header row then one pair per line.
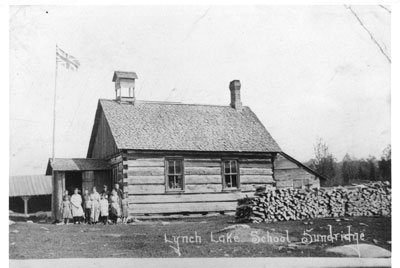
x,y
102,143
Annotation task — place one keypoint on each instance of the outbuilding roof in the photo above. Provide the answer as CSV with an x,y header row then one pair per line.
x,y
76,164
183,127
30,185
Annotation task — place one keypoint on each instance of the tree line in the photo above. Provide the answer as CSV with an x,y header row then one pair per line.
x,y
350,169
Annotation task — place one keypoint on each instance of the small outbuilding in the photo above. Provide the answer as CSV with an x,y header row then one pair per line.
x,y
30,193
290,173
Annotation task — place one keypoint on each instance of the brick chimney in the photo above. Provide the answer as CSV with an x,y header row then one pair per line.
x,y
124,86
234,87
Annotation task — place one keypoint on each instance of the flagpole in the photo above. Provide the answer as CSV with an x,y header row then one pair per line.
x,y
54,108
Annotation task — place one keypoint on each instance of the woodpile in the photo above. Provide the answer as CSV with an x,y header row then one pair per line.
x,y
372,199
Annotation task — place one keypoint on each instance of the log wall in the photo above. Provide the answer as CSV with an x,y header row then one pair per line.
x,y
203,191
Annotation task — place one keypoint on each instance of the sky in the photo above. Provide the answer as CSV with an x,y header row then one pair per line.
x,y
306,71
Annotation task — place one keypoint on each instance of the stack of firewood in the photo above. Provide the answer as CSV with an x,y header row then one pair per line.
x,y
298,204
368,201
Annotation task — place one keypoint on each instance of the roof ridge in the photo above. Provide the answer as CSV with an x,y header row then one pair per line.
x,y
173,103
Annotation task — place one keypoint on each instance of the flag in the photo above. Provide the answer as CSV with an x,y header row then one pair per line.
x,y
66,60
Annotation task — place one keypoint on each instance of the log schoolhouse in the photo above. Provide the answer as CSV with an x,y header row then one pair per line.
x,y
178,158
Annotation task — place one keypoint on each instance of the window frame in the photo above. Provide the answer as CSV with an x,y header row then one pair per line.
x,y
166,174
224,186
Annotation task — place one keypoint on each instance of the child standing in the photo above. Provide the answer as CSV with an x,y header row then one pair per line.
x,y
66,209
95,206
86,206
104,208
125,206
76,207
115,211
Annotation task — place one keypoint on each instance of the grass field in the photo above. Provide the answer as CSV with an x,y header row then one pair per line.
x,y
148,238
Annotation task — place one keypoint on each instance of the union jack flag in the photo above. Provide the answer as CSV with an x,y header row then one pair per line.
x,y
66,60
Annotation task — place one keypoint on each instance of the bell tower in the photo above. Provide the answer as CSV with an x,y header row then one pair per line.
x,y
124,86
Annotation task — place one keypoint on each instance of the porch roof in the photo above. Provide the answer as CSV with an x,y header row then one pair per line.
x,y
76,164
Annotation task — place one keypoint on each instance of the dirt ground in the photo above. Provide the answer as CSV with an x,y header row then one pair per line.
x,y
198,237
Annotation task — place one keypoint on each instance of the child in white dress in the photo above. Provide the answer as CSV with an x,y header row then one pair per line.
x,y
104,206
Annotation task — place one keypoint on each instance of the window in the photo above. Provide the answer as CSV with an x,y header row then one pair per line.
x,y
174,174
231,174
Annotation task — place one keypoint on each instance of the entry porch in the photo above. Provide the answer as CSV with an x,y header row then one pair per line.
x,y
71,173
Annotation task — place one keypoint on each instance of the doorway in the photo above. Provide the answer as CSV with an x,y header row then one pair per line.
x,y
73,179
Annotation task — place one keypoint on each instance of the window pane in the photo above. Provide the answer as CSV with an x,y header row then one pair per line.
x,y
178,167
234,181
233,167
171,182
171,168
175,182
227,167
228,182
179,182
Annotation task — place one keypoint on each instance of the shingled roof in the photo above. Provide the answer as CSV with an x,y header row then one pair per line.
x,y
184,127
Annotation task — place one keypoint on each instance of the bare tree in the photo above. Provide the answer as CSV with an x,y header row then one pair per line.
x,y
385,164
324,160
349,169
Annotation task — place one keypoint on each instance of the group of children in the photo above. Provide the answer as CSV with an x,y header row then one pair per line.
x,y
95,207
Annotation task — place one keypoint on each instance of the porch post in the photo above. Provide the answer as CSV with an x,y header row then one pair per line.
x,y
26,199
53,196
58,190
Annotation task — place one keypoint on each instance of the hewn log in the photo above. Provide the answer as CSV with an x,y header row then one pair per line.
x,y
255,161
145,171
202,170
146,180
250,187
263,165
202,163
146,163
181,207
115,160
203,179
257,179
146,189
255,171
180,198
201,188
